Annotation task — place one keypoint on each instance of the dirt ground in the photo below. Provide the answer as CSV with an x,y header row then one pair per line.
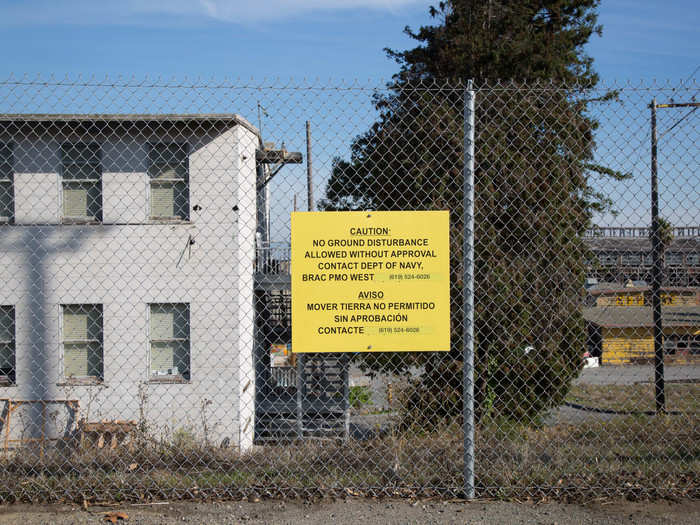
x,y
384,512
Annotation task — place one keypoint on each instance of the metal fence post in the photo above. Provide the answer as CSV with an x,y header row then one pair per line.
x,y
468,291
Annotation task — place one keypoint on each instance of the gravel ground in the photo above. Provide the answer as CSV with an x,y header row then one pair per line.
x,y
384,512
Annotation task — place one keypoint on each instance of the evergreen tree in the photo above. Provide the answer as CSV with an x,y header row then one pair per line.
x,y
534,150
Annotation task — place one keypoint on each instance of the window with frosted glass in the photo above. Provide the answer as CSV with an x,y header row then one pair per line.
x,y
7,194
607,259
674,259
81,177
170,341
169,180
631,259
7,345
82,342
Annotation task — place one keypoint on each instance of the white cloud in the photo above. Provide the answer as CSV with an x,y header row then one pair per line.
x,y
51,12
233,9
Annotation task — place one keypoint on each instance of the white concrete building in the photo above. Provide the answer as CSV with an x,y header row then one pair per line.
x,y
127,247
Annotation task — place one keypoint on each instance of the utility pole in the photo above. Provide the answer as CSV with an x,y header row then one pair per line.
x,y
309,182
657,254
656,273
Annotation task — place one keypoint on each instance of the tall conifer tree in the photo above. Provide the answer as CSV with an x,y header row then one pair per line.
x,y
534,152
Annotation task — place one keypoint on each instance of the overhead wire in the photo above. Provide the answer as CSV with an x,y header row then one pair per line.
x,y
689,112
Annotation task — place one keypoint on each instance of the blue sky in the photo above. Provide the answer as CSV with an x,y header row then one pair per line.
x,y
329,43
326,39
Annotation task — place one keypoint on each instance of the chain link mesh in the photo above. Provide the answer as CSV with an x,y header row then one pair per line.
x,y
145,326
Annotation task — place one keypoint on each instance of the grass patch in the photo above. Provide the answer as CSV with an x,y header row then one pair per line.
x,y
683,397
624,456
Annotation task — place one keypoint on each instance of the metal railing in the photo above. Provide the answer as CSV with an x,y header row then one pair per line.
x,y
678,232
273,258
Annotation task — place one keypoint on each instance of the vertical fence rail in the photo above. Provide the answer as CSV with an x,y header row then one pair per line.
x,y
468,293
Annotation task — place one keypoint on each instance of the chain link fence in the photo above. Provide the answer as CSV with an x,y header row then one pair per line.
x,y
145,319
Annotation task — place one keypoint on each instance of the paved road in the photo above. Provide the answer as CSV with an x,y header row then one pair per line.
x,y
631,374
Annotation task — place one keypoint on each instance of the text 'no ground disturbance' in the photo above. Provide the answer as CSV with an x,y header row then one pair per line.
x,y
370,288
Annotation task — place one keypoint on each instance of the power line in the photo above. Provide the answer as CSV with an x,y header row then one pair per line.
x,y
691,75
678,121
693,105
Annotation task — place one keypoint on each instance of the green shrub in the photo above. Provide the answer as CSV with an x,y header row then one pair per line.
x,y
360,396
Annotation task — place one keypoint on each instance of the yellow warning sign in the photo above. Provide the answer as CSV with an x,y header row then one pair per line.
x,y
370,281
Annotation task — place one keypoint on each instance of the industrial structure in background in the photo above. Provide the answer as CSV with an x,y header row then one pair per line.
x,y
297,396
618,305
624,253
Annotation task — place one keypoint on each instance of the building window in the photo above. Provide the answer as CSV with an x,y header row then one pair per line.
x,y
692,259
674,259
631,259
7,345
7,198
607,259
169,180
170,341
83,359
81,175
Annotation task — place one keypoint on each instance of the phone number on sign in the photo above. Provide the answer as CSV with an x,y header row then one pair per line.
x,y
399,330
408,276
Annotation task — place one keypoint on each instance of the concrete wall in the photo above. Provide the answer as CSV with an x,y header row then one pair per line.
x,y
128,262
